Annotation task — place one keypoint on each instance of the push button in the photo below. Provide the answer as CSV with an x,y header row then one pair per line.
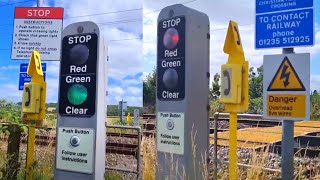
x,y
170,124
75,141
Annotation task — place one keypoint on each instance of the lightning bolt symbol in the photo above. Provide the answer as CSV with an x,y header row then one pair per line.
x,y
285,75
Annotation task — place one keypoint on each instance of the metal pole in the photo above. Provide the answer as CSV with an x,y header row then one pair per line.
x,y
121,111
287,152
216,117
138,153
233,174
122,118
30,151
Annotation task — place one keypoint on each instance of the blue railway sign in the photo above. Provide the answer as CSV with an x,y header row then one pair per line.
x,y
282,23
24,67
25,78
264,6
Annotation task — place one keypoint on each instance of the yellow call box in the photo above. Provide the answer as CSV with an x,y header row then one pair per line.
x,y
31,98
231,83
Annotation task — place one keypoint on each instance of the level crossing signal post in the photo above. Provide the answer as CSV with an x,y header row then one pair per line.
x,y
234,89
182,99
81,132
33,105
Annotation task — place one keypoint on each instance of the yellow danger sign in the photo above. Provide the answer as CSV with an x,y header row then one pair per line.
x,y
286,78
286,105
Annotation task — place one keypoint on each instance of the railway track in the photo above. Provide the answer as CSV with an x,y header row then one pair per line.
x,y
149,127
307,145
111,146
300,150
248,119
149,122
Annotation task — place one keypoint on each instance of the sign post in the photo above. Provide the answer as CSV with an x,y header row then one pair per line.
x,y
287,143
122,108
182,100
234,89
286,24
136,115
286,93
37,28
81,132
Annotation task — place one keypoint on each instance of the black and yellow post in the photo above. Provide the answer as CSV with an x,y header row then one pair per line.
x,y
33,106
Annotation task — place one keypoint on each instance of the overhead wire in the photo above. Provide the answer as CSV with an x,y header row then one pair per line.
x,y
219,29
119,22
105,13
129,39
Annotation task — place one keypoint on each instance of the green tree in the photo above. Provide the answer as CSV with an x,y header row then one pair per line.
x,y
215,89
132,108
315,92
315,105
112,110
256,106
10,112
149,91
255,90
255,82
215,106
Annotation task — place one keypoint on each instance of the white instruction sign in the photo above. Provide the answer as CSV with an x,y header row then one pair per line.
x,y
170,132
37,28
75,149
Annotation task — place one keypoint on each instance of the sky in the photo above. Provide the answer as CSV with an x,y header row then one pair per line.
x,y
220,13
123,36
